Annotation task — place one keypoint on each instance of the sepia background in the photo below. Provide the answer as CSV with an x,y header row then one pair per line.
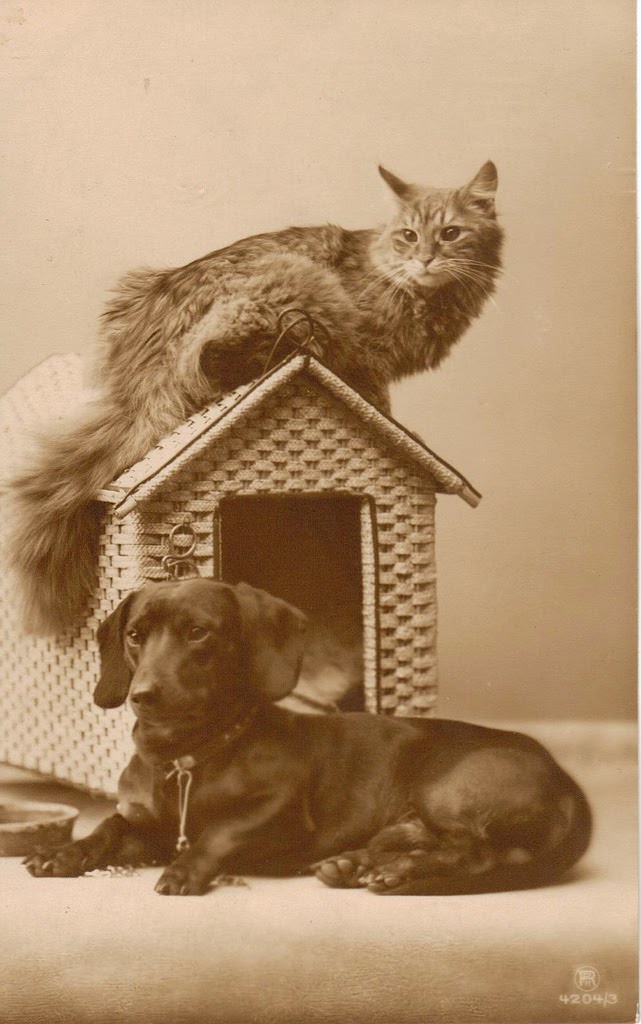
x,y
155,131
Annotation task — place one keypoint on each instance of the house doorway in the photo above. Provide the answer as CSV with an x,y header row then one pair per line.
x,y
306,550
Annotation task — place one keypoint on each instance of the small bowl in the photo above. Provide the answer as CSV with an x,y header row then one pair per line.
x,y
24,826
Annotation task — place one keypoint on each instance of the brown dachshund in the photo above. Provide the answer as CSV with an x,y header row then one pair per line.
x,y
223,781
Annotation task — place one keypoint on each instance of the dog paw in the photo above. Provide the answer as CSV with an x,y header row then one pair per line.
x,y
389,875
382,882
343,872
181,880
64,862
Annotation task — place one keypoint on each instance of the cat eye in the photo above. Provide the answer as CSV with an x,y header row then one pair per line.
x,y
197,633
409,235
450,233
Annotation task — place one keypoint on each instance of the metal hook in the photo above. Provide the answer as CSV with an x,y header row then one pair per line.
x,y
178,562
301,317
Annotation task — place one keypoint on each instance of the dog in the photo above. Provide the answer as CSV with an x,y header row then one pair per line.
x,y
224,782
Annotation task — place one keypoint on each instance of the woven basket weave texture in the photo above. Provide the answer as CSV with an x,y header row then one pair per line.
x,y
300,440
50,723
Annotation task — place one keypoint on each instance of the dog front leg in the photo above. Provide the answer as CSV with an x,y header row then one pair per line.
x,y
115,841
192,872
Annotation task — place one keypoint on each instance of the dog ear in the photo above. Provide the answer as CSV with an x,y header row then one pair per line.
x,y
274,639
115,674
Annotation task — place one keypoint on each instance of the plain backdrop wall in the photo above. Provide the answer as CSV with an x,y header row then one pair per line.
x,y
152,132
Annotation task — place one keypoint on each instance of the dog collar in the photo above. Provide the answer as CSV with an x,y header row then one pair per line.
x,y
182,768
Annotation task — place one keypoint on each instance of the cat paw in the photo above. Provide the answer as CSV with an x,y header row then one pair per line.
x,y
344,871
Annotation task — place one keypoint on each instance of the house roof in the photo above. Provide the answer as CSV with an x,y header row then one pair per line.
x,y
164,460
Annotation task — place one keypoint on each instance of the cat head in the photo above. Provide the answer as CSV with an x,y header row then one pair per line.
x,y
441,235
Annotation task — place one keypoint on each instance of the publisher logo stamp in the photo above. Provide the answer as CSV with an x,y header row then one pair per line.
x,y
587,978
588,989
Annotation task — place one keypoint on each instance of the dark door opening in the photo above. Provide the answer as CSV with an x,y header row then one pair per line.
x,y
306,550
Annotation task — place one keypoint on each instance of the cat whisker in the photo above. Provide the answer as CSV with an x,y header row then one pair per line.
x,y
477,263
399,280
400,286
377,280
470,273
460,281
387,287
463,271
472,265
466,279
493,270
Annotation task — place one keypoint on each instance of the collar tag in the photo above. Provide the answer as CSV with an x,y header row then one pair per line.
x,y
182,768
185,763
184,778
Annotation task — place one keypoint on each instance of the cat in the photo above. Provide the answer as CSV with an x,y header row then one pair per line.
x,y
389,302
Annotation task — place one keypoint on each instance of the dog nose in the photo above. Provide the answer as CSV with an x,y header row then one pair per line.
x,y
144,696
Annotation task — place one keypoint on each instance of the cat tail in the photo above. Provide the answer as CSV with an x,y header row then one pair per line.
x,y
55,521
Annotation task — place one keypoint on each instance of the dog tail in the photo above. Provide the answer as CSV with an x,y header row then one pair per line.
x,y
514,867
55,520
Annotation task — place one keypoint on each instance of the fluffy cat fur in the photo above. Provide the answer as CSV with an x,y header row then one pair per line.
x,y
390,301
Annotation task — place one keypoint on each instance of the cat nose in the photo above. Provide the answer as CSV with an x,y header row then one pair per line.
x,y
427,260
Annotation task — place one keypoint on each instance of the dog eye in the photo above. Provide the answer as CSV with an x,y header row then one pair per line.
x,y
133,637
450,233
196,633
409,235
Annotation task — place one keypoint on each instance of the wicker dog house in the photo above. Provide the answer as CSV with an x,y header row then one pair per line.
x,y
293,483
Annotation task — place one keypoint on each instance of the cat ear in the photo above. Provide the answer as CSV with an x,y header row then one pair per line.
x,y
481,190
398,187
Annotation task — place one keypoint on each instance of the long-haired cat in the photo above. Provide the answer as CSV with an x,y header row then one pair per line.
x,y
390,302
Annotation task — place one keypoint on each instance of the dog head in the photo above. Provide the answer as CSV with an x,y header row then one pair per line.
x,y
176,648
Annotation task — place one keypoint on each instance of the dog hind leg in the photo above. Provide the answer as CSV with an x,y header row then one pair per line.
x,y
345,870
402,853
356,868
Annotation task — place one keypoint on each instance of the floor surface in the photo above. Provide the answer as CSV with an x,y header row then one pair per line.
x,y
99,950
